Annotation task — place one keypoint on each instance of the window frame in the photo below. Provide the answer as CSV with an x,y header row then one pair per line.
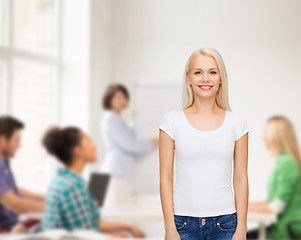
x,y
8,53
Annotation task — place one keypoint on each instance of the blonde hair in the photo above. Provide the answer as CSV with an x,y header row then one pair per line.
x,y
222,93
281,135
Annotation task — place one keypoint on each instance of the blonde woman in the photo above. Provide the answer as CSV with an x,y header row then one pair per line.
x,y
284,185
204,137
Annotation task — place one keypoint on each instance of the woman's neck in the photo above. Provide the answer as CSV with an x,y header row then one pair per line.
x,y
275,152
118,112
77,166
205,106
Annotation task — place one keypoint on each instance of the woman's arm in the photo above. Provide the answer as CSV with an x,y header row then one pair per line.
x,y
166,158
259,207
240,181
107,226
260,202
126,137
117,228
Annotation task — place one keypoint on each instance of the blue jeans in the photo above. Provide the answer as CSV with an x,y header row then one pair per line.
x,y
221,227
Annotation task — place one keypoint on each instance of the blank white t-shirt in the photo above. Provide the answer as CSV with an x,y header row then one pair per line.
x,y
203,164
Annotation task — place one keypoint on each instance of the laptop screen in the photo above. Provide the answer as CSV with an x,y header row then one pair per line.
x,y
98,186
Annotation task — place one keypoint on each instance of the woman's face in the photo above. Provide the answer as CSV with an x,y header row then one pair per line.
x,y
86,149
204,76
119,101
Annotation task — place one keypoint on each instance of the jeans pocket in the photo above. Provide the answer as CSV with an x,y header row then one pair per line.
x,y
180,222
229,224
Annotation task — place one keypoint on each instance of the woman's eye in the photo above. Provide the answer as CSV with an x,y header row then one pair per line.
x,y
213,72
197,72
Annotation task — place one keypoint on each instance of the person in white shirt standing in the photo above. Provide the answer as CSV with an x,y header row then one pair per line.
x,y
203,140
122,146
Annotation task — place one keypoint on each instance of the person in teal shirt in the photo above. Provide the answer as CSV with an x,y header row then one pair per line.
x,y
69,205
284,183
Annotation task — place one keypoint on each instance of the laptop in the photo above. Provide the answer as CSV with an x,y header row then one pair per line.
x,y
98,186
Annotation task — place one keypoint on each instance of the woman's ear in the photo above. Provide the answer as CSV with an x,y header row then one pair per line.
x,y
188,79
76,151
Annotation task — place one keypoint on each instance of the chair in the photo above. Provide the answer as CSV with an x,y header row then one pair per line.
x,y
290,230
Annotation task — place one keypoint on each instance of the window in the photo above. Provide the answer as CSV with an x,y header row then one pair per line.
x,y
2,19
28,81
33,97
33,26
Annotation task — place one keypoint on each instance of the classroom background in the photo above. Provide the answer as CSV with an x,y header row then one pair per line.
x,y
58,57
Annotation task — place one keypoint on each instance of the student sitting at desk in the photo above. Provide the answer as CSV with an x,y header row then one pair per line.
x,y
68,203
284,186
13,199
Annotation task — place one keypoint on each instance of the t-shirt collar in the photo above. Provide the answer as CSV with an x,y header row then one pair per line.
x,y
63,171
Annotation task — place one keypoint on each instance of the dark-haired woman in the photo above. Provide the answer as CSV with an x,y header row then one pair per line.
x,y
122,146
68,203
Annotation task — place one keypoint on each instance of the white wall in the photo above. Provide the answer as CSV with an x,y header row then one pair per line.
x,y
260,42
75,57
74,36
101,62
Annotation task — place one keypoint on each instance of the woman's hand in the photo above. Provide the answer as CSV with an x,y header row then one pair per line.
x,y
172,234
119,228
240,234
119,234
136,232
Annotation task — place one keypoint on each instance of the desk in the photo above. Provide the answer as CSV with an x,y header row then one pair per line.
x,y
153,212
262,219
137,212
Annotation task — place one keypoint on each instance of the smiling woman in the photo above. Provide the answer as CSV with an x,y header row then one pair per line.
x,y
198,72
203,138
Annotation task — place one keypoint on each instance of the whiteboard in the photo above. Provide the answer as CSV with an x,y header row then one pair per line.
x,y
153,99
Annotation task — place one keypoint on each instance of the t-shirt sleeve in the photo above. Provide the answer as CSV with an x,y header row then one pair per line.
x,y
287,178
166,125
277,206
242,127
4,186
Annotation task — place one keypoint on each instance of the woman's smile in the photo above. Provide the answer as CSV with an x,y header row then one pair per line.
x,y
205,87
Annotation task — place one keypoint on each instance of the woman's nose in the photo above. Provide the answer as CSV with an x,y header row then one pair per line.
x,y
205,76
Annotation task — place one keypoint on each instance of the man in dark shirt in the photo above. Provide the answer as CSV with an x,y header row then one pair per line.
x,y
13,200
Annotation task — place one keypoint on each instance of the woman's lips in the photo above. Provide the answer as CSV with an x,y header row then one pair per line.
x,y
205,88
